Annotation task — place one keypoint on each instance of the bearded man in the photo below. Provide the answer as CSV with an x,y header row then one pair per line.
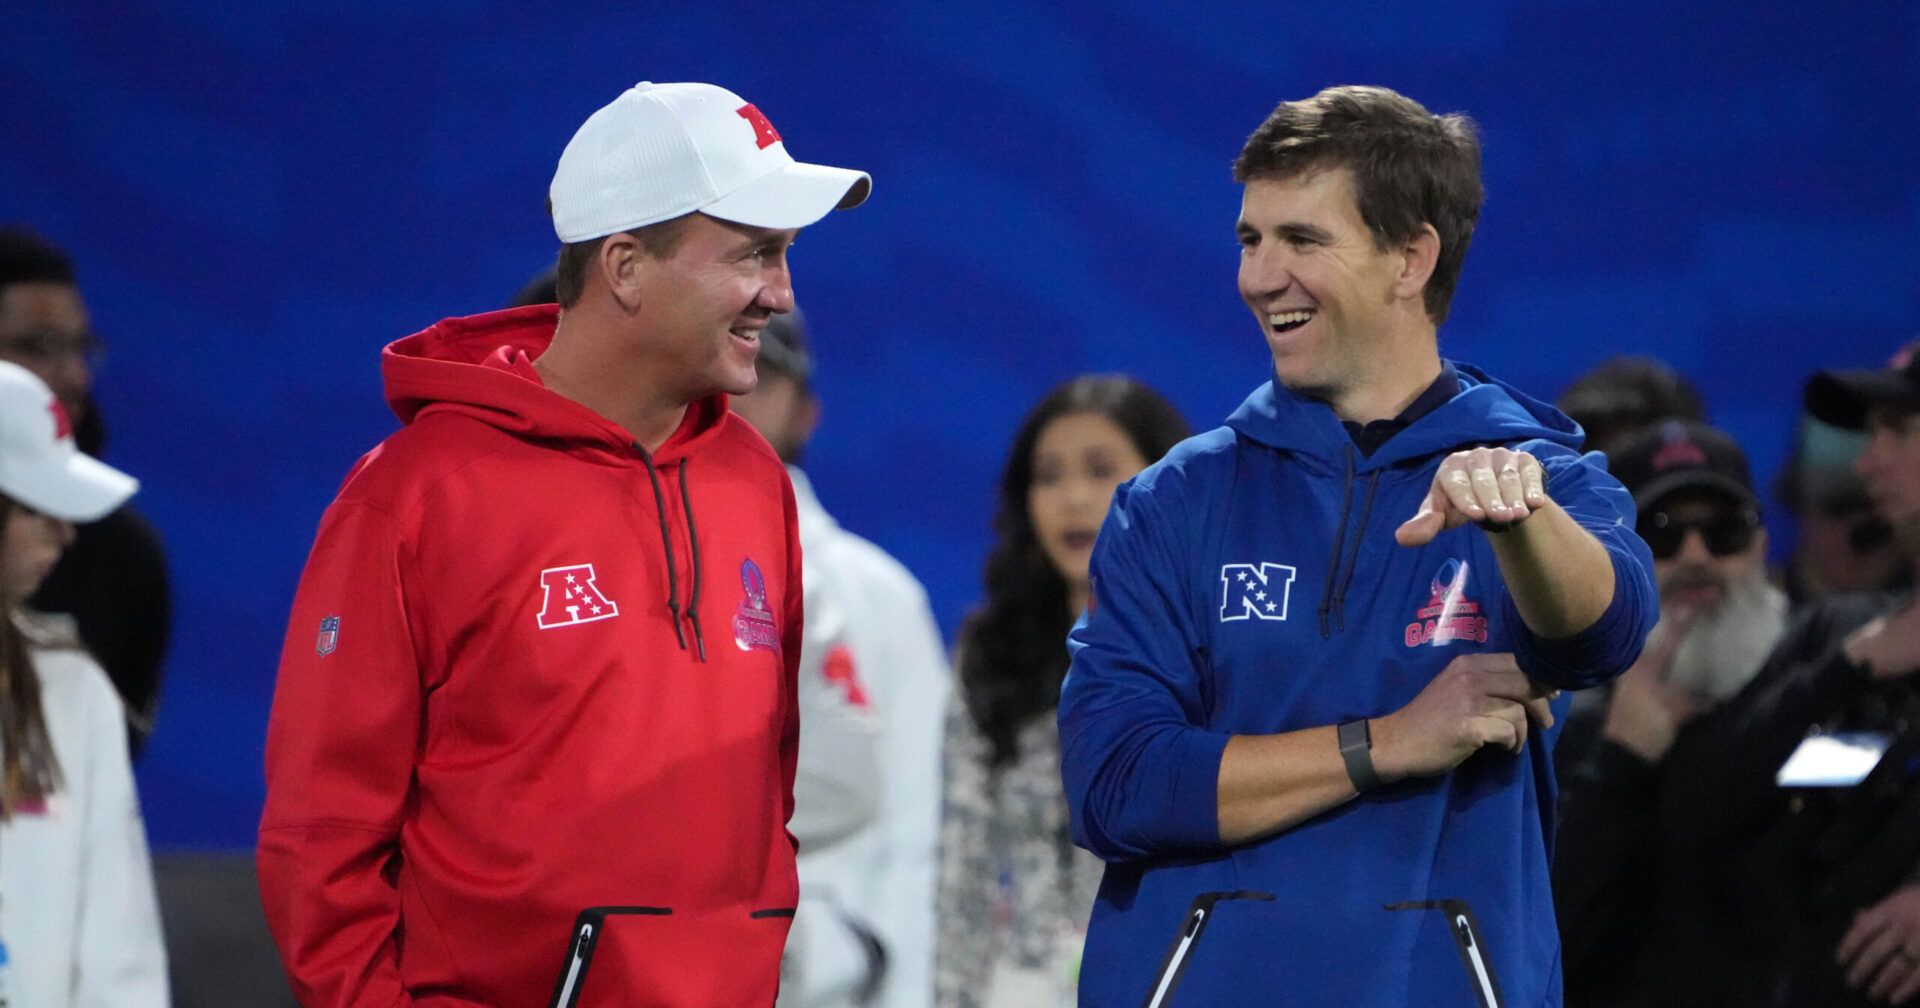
x,y
1719,619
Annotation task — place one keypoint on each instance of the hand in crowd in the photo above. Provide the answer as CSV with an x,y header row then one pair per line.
x,y
1881,952
1644,713
1477,700
1890,645
1494,487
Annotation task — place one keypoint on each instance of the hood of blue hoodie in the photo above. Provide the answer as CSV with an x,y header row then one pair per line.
x,y
1485,409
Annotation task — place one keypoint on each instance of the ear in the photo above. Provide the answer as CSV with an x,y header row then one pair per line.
x,y
1418,256
619,264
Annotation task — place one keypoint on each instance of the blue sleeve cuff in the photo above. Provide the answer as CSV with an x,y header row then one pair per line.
x,y
1601,651
1193,780
1162,796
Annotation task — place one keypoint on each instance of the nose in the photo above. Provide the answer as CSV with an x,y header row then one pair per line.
x,y
776,294
1089,497
1871,457
70,376
1265,271
1693,546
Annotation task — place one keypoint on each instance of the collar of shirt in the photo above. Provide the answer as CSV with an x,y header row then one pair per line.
x,y
1370,436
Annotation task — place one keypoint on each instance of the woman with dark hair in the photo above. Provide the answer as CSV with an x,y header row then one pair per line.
x,y
1014,892
79,924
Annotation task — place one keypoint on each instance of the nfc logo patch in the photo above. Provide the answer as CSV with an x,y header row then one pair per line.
x,y
1254,591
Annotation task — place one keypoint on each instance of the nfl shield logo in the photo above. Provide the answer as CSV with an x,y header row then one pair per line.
x,y
329,636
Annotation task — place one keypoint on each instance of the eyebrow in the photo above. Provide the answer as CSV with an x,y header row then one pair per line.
x,y
766,238
1307,231
1288,231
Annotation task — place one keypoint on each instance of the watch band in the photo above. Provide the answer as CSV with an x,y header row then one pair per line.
x,y
1356,749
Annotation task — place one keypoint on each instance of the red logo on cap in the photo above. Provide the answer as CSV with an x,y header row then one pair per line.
x,y
1678,451
763,132
62,427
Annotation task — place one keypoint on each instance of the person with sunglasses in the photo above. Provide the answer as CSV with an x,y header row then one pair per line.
x,y
1719,617
1795,895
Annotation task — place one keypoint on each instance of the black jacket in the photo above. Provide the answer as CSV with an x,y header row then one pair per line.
x,y
1693,882
113,581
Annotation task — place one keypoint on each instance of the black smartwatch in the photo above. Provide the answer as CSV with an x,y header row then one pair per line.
x,y
1356,749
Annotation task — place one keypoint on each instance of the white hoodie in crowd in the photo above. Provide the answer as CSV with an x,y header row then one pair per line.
x,y
77,906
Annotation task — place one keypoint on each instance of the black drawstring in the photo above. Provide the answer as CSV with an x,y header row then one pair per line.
x,y
693,541
1339,538
666,541
1353,560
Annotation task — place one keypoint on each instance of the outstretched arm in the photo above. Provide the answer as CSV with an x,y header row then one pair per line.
x,y
1579,581
1558,573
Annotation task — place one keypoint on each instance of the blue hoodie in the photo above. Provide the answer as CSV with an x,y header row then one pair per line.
x,y
1228,599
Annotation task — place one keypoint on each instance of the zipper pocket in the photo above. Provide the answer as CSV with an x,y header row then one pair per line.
x,y
1466,938
1174,966
587,929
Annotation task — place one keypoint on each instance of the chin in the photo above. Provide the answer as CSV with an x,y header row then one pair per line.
x,y
1302,385
738,385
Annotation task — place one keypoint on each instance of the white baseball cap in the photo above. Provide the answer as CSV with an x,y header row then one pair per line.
x,y
662,150
39,464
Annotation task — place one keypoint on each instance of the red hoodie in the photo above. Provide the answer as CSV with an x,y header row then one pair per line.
x,y
526,680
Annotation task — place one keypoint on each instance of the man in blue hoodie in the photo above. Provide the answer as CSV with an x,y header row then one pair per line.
x,y
1328,799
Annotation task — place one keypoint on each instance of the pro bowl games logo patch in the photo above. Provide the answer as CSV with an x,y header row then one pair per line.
x,y
1448,615
753,625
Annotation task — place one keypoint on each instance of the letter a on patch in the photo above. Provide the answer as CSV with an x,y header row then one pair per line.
x,y
764,135
569,596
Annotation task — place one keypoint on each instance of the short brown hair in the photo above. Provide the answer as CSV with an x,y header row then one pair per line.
x,y
1410,167
570,273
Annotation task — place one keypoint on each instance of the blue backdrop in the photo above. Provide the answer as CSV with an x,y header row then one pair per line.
x,y
259,197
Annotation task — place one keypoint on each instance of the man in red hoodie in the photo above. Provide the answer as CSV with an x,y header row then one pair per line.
x,y
534,733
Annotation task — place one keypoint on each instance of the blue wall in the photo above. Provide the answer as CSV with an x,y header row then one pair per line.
x,y
260,198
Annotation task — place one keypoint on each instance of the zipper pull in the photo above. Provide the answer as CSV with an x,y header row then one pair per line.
x,y
581,944
1187,935
1488,998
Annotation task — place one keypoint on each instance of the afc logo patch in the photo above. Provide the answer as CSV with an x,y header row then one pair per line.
x,y
569,596
1448,614
1254,591
764,134
753,625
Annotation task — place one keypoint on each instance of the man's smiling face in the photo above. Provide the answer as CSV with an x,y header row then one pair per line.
x,y
1319,286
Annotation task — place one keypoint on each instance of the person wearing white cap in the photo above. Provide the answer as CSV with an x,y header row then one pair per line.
x,y
79,923
535,729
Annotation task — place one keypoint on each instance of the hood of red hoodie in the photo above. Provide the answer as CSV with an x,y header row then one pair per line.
x,y
481,366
